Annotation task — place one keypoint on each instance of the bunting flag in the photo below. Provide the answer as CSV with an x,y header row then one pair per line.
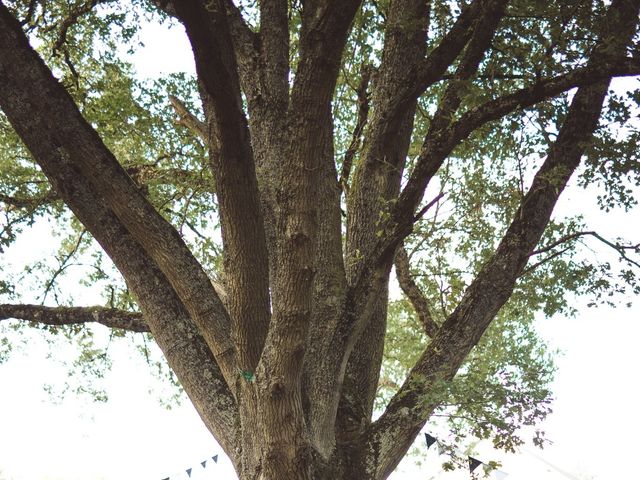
x,y
430,440
189,471
473,464
442,450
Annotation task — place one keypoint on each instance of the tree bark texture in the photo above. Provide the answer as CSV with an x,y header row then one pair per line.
x,y
284,371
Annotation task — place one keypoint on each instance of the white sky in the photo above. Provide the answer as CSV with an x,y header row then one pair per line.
x,y
594,425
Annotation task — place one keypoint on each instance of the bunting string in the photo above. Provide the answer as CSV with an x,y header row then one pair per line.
x,y
473,462
189,471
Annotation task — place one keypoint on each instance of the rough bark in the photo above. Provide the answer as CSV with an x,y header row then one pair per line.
x,y
377,180
405,414
295,186
173,329
48,121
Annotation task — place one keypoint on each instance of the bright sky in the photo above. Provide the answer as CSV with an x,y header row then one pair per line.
x,y
594,425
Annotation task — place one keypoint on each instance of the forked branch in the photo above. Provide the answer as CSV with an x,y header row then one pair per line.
x,y
620,248
407,412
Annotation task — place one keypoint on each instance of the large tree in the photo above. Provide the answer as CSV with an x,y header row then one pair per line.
x,y
322,143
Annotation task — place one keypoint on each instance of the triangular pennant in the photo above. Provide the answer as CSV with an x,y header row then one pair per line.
x,y
204,464
166,478
188,470
500,475
473,463
215,459
430,440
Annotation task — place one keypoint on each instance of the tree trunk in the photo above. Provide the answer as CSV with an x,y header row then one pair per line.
x,y
284,371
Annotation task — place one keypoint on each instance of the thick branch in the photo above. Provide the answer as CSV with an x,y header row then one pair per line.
x,y
431,70
274,52
324,32
58,316
182,344
368,276
245,41
298,175
376,182
393,433
426,166
413,293
481,32
176,334
439,145
49,123
231,155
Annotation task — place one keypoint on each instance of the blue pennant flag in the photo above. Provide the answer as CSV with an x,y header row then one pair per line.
x,y
215,459
430,440
188,470
204,464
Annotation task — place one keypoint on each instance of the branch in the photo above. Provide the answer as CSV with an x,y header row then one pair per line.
x,y
375,184
59,316
232,162
71,20
438,146
427,207
189,120
543,90
407,412
325,26
183,324
433,68
63,263
539,263
412,291
481,36
274,52
59,138
402,216
306,170
245,41
361,121
618,247
30,202
31,9
145,173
